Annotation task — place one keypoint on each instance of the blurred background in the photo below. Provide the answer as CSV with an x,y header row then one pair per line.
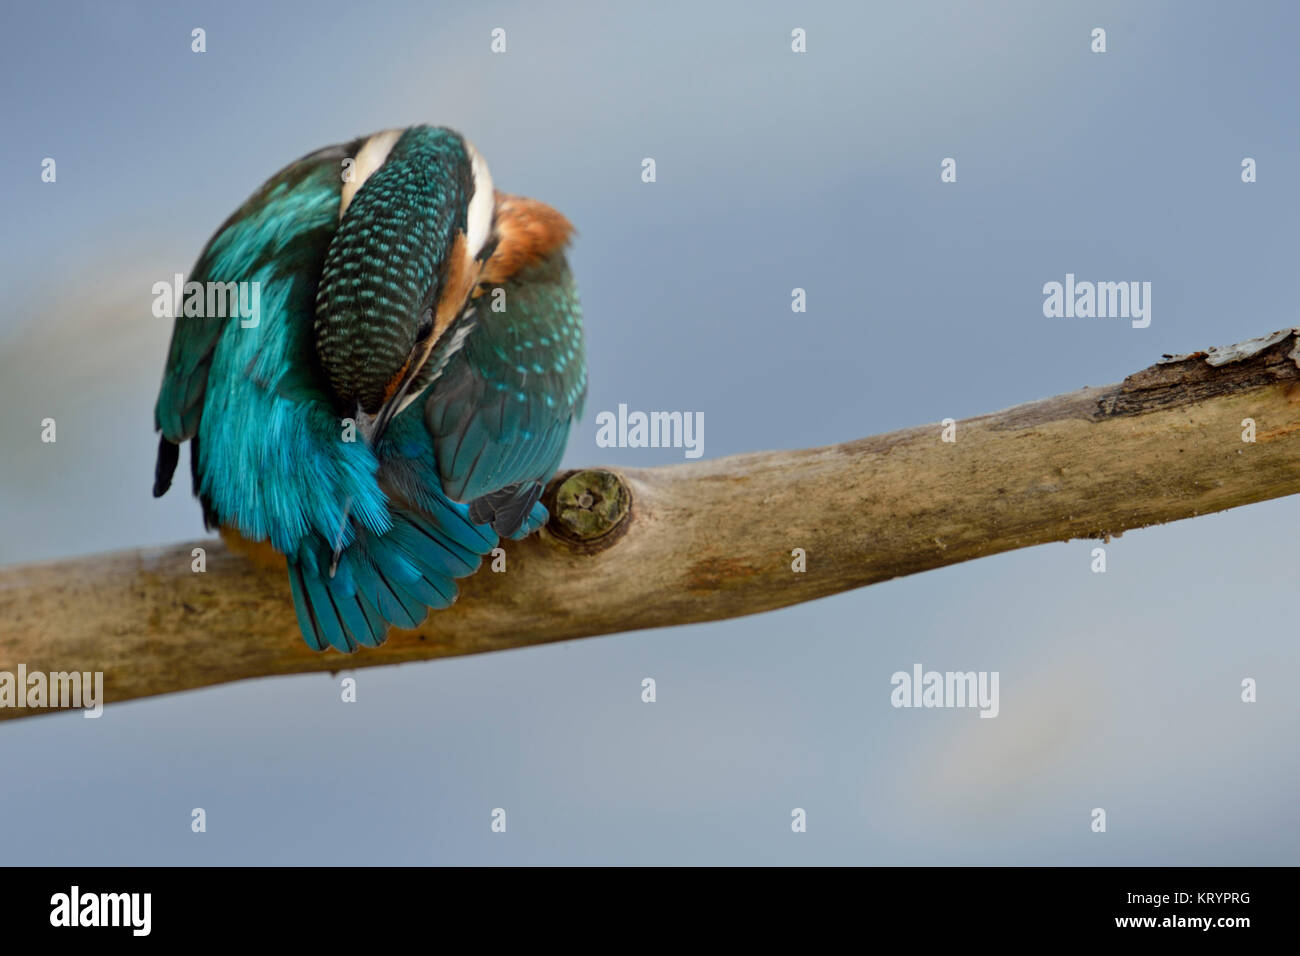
x,y
775,170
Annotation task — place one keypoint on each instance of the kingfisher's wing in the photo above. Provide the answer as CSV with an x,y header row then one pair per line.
x,y
501,410
271,463
278,237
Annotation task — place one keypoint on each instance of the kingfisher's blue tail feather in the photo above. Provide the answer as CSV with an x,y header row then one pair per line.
x,y
330,618
383,580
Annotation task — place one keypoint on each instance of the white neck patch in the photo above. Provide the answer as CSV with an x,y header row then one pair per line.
x,y
482,205
372,154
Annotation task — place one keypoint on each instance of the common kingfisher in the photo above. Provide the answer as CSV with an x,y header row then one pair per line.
x,y
405,392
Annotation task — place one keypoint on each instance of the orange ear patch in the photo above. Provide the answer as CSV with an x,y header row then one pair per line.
x,y
527,232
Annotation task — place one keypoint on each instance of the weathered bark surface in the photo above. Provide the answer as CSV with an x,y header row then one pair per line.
x,y
634,549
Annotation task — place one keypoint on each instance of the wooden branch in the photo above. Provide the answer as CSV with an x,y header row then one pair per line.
x,y
642,548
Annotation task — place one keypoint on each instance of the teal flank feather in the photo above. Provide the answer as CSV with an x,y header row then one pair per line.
x,y
502,407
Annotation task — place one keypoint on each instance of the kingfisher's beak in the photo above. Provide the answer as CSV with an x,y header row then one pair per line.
x,y
373,426
369,425
372,429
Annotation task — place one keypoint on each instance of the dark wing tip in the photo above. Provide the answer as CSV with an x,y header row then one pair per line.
x,y
506,510
168,454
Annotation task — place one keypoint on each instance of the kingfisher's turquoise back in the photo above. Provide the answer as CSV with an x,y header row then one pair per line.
x,y
270,457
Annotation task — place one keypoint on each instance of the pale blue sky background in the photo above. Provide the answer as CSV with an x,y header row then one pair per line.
x,y
774,171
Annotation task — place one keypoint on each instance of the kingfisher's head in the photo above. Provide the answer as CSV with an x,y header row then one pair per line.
x,y
416,216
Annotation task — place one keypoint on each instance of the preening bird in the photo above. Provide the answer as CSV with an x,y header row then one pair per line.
x,y
404,393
